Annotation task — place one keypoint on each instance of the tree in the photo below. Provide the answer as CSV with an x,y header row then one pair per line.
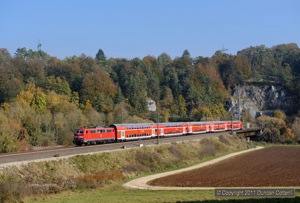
x,y
60,86
186,54
9,88
296,127
195,115
12,135
181,106
98,88
275,129
218,111
279,114
205,112
171,80
31,55
164,59
100,56
39,102
5,56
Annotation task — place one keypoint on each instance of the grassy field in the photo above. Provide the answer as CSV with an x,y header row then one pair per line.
x,y
118,194
99,177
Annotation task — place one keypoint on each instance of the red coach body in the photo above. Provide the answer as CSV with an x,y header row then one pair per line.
x,y
134,131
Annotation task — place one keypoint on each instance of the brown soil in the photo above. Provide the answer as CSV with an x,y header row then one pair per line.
x,y
269,167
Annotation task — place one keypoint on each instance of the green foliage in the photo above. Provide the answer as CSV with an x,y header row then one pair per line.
x,y
275,129
205,112
218,111
12,135
100,55
38,102
279,114
12,188
181,106
60,86
5,56
49,88
296,127
98,88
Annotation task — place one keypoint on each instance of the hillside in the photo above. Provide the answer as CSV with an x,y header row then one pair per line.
x,y
43,98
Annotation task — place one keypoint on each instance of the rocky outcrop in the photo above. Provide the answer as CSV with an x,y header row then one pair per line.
x,y
151,105
259,99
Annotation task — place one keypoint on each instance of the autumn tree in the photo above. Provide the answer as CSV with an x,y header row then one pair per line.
x,y
205,113
13,136
182,111
5,56
275,129
99,89
279,114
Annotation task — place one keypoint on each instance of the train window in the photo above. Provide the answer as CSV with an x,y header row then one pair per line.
x,y
93,131
86,131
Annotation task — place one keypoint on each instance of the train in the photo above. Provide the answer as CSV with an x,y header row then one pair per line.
x,y
136,131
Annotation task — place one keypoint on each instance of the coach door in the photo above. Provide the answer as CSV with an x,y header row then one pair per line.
x,y
122,134
153,133
160,131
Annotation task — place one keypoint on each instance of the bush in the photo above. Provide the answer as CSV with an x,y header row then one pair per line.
x,y
296,127
98,179
45,188
209,148
149,159
224,140
12,189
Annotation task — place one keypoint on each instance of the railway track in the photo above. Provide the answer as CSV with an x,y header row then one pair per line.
x,y
9,159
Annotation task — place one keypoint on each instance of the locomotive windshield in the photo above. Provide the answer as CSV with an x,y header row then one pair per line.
x,y
78,131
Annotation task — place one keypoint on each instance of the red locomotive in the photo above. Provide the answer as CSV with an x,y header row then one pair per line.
x,y
135,131
95,135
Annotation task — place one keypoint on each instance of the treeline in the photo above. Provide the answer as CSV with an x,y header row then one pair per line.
x,y
43,98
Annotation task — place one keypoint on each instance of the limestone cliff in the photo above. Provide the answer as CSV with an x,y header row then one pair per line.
x,y
259,99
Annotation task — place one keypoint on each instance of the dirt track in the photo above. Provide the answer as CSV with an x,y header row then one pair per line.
x,y
270,167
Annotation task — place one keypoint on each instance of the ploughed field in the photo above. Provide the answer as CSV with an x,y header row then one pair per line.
x,y
269,167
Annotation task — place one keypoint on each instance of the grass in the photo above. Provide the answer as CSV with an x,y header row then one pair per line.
x,y
117,194
99,177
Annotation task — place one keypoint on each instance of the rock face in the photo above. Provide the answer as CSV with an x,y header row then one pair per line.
x,y
151,105
259,99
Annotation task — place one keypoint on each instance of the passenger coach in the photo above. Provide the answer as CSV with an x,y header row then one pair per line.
x,y
136,131
133,131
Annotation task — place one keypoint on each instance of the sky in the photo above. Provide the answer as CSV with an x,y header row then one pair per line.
x,y
138,28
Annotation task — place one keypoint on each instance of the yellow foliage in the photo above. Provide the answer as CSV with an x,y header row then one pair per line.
x,y
5,106
25,97
279,114
288,134
165,114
